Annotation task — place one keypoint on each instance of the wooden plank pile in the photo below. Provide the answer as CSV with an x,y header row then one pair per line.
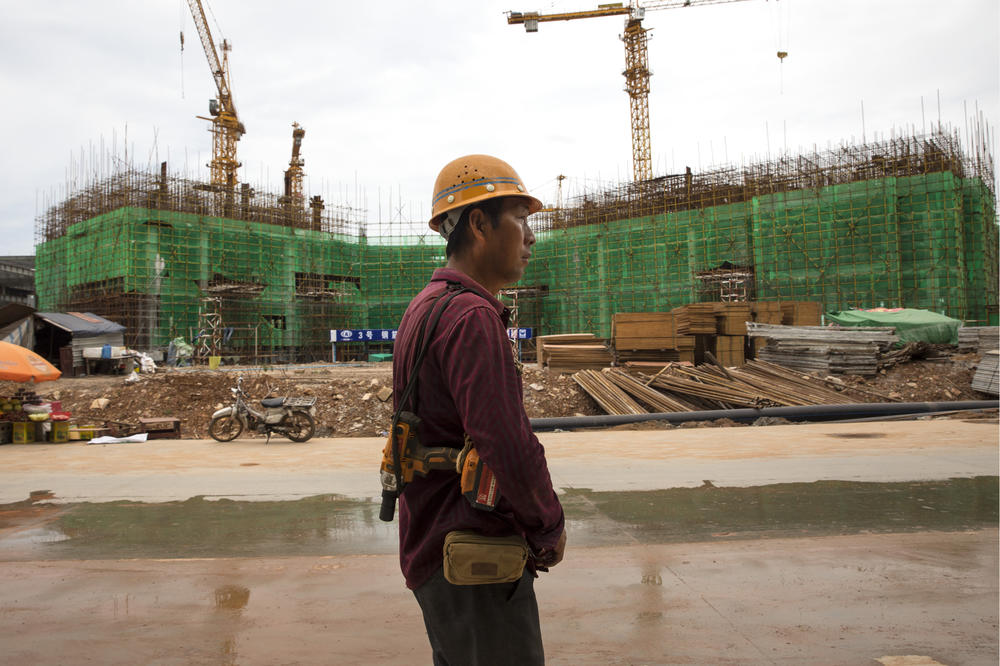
x,y
800,313
767,312
679,388
649,336
987,378
854,350
612,399
729,349
978,339
732,318
686,332
695,318
570,352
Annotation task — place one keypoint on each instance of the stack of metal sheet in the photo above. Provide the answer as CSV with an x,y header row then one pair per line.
x,y
987,377
854,350
978,339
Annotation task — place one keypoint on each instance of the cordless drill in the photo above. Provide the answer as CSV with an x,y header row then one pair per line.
x,y
405,457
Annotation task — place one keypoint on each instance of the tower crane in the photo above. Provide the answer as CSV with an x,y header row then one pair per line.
x,y
226,125
636,71
294,173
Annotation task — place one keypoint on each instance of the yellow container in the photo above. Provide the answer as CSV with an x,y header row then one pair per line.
x,y
60,432
24,432
213,362
86,431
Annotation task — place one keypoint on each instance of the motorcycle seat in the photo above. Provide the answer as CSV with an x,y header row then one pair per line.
x,y
272,402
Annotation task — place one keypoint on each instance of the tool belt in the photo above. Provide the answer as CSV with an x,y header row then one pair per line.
x,y
405,456
474,559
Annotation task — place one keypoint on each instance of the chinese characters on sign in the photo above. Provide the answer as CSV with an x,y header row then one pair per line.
x,y
363,335
389,334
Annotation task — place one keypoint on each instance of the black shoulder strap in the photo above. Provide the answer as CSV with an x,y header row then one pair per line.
x,y
424,342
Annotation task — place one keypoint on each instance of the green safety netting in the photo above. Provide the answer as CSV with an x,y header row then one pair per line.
x,y
925,242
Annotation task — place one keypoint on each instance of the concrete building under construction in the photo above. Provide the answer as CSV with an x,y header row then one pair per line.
x,y
906,222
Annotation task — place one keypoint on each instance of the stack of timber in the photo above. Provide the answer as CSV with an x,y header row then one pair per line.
x,y
978,339
854,350
696,318
986,378
729,349
649,336
732,318
764,312
679,388
638,389
767,312
573,351
800,313
612,399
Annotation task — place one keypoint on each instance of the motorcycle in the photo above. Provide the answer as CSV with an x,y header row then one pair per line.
x,y
295,418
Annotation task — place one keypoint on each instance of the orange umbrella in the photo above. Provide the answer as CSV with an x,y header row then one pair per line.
x,y
20,364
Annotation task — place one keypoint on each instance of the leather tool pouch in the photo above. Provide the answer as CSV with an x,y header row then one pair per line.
x,y
474,559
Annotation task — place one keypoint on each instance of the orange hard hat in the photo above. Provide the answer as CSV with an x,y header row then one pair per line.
x,y
472,179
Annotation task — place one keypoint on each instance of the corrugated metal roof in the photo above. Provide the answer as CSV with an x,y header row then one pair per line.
x,y
81,324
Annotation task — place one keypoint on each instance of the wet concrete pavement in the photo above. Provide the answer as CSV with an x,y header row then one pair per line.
x,y
830,544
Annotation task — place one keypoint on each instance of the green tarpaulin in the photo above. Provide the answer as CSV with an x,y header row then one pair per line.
x,y
911,325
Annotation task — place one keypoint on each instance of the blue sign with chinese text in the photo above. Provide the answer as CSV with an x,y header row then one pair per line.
x,y
389,334
363,335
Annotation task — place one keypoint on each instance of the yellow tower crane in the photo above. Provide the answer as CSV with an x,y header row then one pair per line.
x,y
294,173
226,125
636,71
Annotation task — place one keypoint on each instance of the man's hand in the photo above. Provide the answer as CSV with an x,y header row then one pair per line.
x,y
550,558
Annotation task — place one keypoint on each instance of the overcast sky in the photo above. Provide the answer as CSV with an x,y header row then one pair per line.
x,y
390,91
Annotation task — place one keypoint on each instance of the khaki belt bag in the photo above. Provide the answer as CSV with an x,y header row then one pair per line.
x,y
474,559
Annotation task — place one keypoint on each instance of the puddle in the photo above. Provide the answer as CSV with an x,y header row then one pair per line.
x,y
32,537
334,525
780,510
231,597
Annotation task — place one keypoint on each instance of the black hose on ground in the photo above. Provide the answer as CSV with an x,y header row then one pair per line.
x,y
806,413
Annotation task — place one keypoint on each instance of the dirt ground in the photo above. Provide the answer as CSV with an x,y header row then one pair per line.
x,y
350,397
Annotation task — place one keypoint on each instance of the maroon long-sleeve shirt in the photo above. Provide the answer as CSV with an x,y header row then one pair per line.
x,y
469,383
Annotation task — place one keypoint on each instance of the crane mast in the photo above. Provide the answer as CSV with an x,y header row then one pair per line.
x,y
294,173
226,125
636,71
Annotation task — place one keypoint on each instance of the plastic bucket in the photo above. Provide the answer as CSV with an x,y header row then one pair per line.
x,y
213,362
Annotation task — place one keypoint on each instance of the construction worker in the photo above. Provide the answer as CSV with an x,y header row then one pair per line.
x,y
469,386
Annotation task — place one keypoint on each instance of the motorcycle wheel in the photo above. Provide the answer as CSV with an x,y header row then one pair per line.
x,y
225,428
300,426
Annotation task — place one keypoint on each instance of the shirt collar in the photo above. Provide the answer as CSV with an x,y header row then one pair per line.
x,y
451,275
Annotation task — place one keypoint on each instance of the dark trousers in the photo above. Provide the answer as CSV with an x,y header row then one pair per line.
x,y
481,625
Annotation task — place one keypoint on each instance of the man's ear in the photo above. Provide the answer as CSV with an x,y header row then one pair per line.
x,y
479,222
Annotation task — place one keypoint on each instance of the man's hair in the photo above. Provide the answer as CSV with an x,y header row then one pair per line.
x,y
461,236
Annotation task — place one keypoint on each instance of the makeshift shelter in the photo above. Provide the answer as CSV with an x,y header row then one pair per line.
x,y
63,336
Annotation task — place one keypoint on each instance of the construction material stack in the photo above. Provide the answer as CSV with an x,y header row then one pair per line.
x,y
571,352
854,350
987,377
649,337
978,339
